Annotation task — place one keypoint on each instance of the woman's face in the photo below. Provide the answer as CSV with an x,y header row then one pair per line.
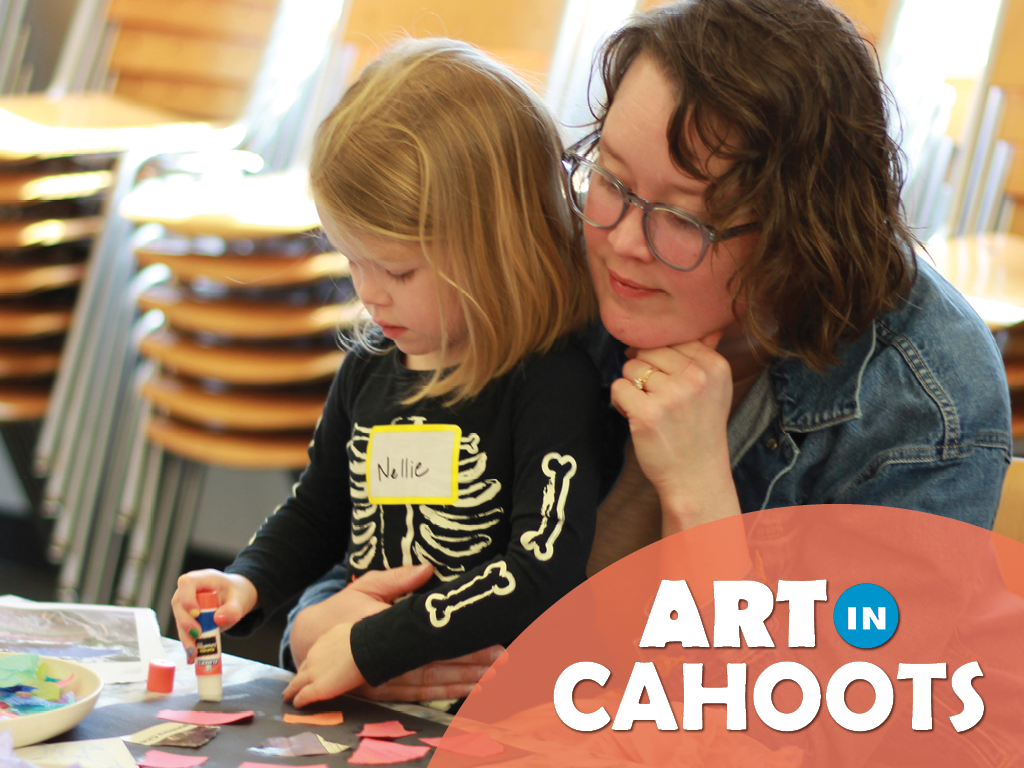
x,y
644,303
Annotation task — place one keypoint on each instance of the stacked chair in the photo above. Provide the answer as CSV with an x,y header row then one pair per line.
x,y
48,216
196,75
238,370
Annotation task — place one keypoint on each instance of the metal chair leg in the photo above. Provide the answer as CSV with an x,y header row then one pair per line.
x,y
138,546
170,488
104,552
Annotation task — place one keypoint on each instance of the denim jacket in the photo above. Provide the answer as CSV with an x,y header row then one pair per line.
x,y
916,415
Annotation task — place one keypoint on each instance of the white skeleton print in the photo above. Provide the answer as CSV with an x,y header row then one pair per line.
x,y
451,537
429,535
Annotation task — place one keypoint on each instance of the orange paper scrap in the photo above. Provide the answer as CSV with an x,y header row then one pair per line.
x,y
204,718
391,729
318,718
377,752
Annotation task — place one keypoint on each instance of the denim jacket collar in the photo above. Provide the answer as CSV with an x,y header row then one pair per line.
x,y
810,401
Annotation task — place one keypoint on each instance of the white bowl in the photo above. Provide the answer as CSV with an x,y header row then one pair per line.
x,y
41,726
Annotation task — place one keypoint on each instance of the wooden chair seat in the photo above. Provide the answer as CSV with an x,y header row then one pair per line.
x,y
28,319
247,319
24,278
988,270
36,185
231,449
248,271
24,234
26,362
236,208
23,402
239,364
34,126
246,411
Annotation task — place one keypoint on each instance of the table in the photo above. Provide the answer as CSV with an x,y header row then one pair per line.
x,y
236,671
128,708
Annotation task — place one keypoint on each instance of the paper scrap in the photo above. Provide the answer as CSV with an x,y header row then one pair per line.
x,y
7,758
306,743
94,753
174,735
278,765
196,717
391,729
472,744
154,758
317,718
377,752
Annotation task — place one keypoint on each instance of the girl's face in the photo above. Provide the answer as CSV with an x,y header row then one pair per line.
x,y
404,295
644,303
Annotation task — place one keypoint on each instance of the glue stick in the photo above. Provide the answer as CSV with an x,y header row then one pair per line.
x,y
208,649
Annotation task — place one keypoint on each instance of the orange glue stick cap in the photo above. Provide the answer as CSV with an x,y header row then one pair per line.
x,y
161,676
207,599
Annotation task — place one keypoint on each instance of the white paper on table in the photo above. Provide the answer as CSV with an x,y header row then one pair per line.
x,y
91,753
117,642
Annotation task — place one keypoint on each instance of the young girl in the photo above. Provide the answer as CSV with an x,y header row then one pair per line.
x,y
460,431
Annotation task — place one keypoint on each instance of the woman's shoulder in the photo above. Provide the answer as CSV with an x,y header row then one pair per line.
x,y
929,370
935,362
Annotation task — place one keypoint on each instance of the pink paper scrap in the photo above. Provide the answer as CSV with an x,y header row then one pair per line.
x,y
278,765
377,752
155,758
391,729
472,744
204,718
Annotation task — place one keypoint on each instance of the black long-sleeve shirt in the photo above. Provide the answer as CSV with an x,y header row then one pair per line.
x,y
522,469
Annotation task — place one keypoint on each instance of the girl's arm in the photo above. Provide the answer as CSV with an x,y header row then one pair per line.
x,y
309,532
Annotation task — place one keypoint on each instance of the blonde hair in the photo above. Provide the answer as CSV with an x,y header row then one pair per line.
x,y
438,144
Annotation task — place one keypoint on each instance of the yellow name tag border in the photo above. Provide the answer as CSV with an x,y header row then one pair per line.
x,y
454,428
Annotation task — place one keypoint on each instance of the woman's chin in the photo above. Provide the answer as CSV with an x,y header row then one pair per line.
x,y
641,333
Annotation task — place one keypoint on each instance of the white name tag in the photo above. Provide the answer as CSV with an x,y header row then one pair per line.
x,y
413,464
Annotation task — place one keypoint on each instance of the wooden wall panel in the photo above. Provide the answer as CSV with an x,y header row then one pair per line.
x,y
164,55
523,34
212,18
1008,54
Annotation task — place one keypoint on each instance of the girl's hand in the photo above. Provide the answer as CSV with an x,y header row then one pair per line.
x,y
328,671
236,594
678,424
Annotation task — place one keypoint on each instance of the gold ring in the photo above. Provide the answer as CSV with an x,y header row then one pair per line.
x,y
641,380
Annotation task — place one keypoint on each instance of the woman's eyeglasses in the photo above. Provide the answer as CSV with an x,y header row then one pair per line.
x,y
676,238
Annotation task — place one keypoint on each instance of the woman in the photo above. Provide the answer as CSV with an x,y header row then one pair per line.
x,y
740,201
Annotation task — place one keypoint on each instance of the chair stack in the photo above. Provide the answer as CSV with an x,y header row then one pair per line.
x,y
49,212
240,365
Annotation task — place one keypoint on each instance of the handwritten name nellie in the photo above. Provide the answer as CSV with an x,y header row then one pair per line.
x,y
405,468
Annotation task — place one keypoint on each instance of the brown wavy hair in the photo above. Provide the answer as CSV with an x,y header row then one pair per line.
x,y
790,93
438,144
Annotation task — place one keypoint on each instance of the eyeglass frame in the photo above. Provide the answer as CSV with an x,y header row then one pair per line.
x,y
572,159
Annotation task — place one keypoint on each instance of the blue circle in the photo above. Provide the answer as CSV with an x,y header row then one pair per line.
x,y
866,616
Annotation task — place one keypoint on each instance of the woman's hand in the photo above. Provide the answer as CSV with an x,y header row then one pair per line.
x,y
678,425
450,679
371,593
236,594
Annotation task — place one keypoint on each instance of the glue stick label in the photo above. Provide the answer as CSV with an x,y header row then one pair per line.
x,y
208,655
